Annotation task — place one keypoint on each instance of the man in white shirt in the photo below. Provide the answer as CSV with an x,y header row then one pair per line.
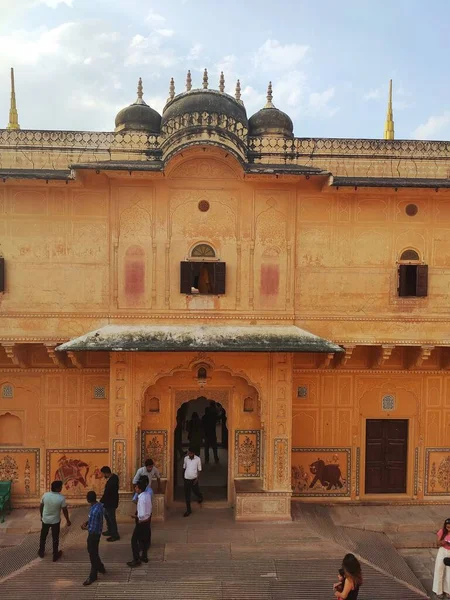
x,y
192,466
148,470
140,540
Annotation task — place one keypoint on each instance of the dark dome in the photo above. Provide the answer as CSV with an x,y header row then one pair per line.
x,y
205,101
139,116
271,121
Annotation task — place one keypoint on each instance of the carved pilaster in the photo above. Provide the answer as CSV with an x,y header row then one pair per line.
x,y
251,281
122,424
75,359
154,264
167,277
383,354
15,354
238,273
422,354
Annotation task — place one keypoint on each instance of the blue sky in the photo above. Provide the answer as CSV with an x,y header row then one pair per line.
x,y
77,61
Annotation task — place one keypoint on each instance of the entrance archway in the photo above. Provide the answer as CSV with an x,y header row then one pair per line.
x,y
201,423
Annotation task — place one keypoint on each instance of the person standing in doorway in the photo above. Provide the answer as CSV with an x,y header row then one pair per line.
x,y
51,505
110,501
148,470
209,421
94,526
140,540
192,466
195,433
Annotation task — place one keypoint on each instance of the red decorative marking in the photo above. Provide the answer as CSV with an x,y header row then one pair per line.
x,y
270,280
135,271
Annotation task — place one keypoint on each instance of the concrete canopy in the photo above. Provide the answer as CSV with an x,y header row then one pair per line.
x,y
185,338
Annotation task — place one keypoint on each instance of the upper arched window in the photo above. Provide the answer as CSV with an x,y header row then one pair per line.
x,y
203,251
409,255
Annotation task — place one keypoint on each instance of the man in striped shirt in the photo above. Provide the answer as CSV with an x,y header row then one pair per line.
x,y
94,526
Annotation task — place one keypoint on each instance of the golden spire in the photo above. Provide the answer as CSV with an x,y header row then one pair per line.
x,y
238,91
205,79
269,103
13,116
188,82
389,125
171,90
222,82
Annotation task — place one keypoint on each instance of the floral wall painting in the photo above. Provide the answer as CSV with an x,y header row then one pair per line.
x,y
321,472
437,471
154,446
79,470
22,467
247,453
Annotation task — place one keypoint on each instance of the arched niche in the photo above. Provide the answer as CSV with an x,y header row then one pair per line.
x,y
11,430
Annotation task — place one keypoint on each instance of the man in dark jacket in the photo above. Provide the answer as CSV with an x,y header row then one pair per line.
x,y
110,501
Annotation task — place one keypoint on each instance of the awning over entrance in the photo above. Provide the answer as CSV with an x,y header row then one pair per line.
x,y
180,338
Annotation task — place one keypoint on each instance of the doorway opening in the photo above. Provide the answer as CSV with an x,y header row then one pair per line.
x,y
386,456
202,425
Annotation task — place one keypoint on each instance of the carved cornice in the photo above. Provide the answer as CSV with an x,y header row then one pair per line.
x,y
14,353
383,354
51,370
75,359
325,360
343,358
56,357
372,372
422,354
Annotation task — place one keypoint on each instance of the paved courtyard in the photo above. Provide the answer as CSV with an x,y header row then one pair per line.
x,y
210,556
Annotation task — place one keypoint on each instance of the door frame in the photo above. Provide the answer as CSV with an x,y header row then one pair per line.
x,y
209,392
409,458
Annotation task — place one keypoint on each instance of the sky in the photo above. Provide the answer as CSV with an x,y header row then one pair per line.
x,y
77,62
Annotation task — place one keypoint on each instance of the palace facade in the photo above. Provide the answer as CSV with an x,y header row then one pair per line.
x,y
208,255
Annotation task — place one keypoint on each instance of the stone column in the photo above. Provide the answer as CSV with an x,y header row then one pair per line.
x,y
121,426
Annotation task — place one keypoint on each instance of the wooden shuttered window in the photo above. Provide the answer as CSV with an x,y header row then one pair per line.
x,y
185,277
422,280
413,280
2,274
219,278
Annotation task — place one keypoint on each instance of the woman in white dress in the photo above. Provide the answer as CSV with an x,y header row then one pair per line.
x,y
441,582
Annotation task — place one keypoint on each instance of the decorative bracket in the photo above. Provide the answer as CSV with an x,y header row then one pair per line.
x,y
14,354
422,355
75,359
383,354
345,356
325,360
56,357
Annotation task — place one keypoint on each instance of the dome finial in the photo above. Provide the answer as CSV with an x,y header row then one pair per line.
x,y
222,82
13,115
188,82
140,92
269,103
389,124
237,94
205,79
171,90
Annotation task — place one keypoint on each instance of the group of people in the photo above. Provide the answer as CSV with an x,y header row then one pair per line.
x,y
201,431
54,502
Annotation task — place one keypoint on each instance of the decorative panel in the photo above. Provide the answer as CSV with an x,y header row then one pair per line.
x,y
79,470
22,467
247,449
321,472
119,462
437,472
154,446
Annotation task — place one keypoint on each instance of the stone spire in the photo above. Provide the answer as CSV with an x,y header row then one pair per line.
x,y
171,90
222,82
389,125
13,115
269,103
205,79
140,93
237,94
188,82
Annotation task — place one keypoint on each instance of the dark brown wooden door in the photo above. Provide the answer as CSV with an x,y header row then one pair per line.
x,y
386,453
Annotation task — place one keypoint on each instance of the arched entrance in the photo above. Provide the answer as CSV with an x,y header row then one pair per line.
x,y
201,423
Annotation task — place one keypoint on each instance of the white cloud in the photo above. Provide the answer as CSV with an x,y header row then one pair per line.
x,y
154,17
433,128
253,99
319,103
150,51
375,94
165,32
54,3
195,51
276,57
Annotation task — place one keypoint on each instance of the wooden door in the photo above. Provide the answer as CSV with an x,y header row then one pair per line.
x,y
386,455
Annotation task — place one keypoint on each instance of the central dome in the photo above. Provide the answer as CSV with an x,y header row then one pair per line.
x,y
204,116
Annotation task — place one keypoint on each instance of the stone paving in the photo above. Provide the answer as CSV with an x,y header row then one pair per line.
x,y
210,556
